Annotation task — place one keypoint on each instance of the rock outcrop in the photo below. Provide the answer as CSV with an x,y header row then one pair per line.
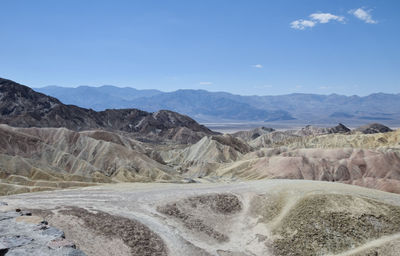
x,y
21,106
373,128
24,234
252,134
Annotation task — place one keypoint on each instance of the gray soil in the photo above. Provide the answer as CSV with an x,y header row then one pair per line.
x,y
269,217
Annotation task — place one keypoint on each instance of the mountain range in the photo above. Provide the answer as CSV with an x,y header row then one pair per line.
x,y
20,106
205,106
263,191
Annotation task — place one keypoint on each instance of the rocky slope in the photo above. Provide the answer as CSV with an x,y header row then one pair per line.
x,y
135,146
20,106
33,159
269,217
370,160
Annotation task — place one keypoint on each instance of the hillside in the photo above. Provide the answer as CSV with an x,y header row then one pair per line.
x,y
21,106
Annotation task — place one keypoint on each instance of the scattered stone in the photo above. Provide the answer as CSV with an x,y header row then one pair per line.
x,y
24,234
3,203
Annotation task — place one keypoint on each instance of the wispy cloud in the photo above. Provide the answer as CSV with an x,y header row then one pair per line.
x,y
205,83
257,66
325,17
315,18
363,15
302,24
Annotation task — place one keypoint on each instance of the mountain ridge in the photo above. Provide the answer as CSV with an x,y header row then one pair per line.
x,y
206,106
20,106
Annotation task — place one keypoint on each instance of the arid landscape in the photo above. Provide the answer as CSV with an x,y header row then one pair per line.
x,y
142,183
199,128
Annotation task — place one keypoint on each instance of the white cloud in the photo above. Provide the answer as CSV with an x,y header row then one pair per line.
x,y
257,66
325,17
302,24
315,18
205,83
364,15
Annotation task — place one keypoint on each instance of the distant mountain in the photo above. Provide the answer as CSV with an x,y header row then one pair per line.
x,y
204,105
200,104
208,106
20,106
97,98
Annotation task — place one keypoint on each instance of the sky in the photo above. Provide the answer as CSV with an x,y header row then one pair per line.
x,y
246,47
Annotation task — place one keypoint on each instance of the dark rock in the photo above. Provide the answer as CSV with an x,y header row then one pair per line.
x,y
3,251
3,203
20,106
373,128
340,128
22,238
189,180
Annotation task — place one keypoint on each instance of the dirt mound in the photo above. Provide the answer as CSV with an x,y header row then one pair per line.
x,y
268,217
334,224
138,237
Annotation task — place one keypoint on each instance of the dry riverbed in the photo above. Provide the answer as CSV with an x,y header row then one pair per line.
x,y
267,217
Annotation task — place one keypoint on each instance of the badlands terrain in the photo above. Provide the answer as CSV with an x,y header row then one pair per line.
x,y
130,182
266,217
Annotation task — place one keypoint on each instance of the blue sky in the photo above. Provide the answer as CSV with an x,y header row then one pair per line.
x,y
244,47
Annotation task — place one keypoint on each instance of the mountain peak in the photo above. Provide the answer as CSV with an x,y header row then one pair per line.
x,y
21,106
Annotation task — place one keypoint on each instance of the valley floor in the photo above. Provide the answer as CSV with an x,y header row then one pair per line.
x,y
266,217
